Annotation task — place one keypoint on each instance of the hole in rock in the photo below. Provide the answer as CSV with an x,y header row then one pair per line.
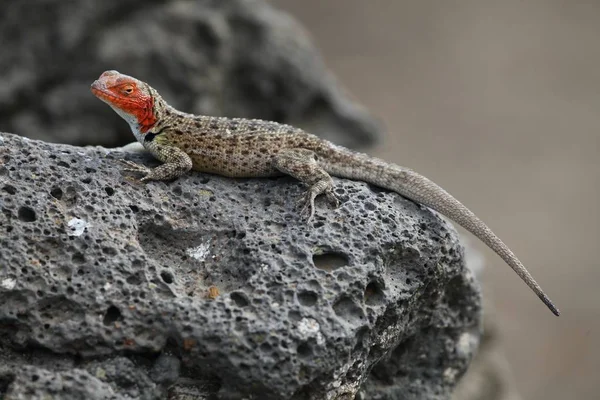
x,y
167,277
347,309
112,314
10,189
239,299
373,293
26,214
330,261
307,298
304,350
56,192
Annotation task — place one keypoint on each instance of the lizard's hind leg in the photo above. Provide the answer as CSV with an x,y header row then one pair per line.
x,y
302,164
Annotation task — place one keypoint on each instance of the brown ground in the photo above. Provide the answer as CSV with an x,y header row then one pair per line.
x,y
499,102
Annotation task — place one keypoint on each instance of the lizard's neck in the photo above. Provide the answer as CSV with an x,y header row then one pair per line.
x,y
149,124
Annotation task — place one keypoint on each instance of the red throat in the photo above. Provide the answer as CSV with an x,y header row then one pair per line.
x,y
145,115
142,109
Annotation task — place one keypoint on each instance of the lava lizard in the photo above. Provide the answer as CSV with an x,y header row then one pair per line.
x,y
237,147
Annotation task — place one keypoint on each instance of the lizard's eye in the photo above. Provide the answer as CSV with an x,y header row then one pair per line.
x,y
128,89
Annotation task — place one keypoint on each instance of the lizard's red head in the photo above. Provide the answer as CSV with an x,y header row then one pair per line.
x,y
129,97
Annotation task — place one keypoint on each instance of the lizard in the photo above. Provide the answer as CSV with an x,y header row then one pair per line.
x,y
253,148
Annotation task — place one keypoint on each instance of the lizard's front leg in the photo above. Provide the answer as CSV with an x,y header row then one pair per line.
x,y
302,164
176,163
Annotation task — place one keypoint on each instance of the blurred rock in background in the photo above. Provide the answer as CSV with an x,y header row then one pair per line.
x,y
237,58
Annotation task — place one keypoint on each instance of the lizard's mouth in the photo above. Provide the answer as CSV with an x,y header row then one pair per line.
x,y
99,90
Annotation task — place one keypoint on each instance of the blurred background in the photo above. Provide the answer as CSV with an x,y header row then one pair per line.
x,y
498,103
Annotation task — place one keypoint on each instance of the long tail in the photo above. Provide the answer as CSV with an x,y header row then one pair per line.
x,y
416,187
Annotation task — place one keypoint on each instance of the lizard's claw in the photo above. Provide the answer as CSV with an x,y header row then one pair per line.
x,y
137,168
134,167
307,202
332,198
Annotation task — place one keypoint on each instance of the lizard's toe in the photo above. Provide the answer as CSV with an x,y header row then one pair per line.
x,y
128,163
307,212
307,202
332,199
133,167
138,169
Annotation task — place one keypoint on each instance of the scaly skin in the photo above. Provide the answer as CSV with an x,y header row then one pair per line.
x,y
238,147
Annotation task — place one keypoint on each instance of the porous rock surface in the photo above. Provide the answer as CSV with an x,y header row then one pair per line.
x,y
213,288
235,58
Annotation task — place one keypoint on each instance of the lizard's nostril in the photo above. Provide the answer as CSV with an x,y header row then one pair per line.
x,y
96,85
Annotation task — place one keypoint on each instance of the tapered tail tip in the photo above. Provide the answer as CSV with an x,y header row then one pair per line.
x,y
550,305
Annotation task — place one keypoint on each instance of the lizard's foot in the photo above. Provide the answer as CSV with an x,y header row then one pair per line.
x,y
307,202
179,164
332,198
302,164
137,168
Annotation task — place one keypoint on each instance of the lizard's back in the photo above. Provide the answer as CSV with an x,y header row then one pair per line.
x,y
234,147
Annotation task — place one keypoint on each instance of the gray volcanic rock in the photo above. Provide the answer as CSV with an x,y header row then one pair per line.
x,y
32,382
209,287
237,58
